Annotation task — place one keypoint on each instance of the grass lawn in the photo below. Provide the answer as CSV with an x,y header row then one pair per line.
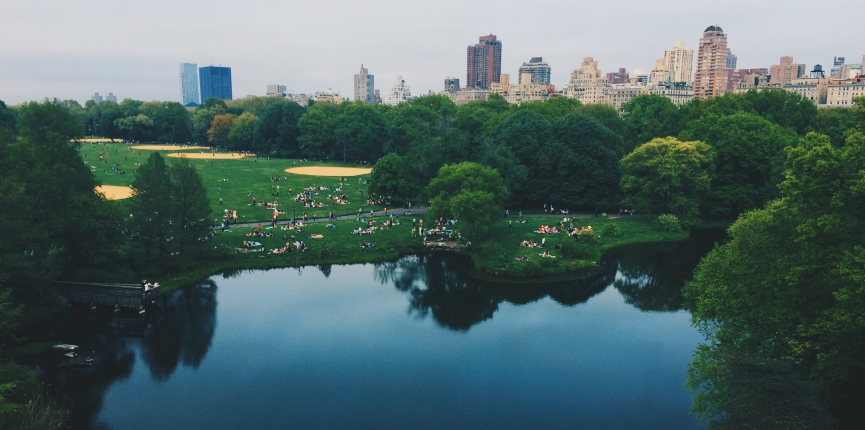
x,y
245,177
498,253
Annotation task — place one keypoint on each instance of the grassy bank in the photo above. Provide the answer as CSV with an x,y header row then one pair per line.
x,y
498,253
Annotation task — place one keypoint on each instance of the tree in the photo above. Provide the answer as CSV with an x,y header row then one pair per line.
x,y
835,123
468,192
553,108
277,132
748,158
513,148
790,283
667,176
242,130
138,128
203,116
190,206
316,137
608,116
151,206
391,176
646,117
220,128
171,121
7,117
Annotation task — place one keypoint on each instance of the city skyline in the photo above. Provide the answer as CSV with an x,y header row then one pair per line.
x,y
146,68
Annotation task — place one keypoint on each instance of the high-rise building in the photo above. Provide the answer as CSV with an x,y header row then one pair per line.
x,y
784,73
189,84
587,84
452,85
620,77
399,93
110,97
215,82
276,90
711,77
731,59
484,62
364,86
538,69
679,62
837,63
736,76
96,98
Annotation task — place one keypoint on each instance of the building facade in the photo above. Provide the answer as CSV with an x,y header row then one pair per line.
x,y
679,62
399,93
96,98
468,95
734,77
328,96
484,62
731,60
189,85
842,92
452,85
784,73
215,82
538,70
111,97
276,90
678,92
524,91
587,84
364,86
710,78
620,77
815,89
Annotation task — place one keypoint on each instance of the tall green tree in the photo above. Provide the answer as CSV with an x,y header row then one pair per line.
x,y
393,177
277,131
468,192
647,117
749,157
151,206
220,128
790,284
190,207
242,130
172,122
667,176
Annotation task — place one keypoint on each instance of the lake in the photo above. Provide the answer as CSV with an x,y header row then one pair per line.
x,y
416,343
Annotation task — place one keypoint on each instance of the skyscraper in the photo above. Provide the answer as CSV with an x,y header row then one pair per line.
x,y
731,59
452,85
189,84
96,98
399,93
110,97
679,62
215,82
364,86
484,62
711,77
539,70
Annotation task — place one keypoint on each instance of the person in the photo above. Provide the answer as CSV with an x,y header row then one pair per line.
x,y
220,200
509,224
543,241
253,200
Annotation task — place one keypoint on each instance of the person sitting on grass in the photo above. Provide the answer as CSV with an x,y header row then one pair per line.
x,y
546,254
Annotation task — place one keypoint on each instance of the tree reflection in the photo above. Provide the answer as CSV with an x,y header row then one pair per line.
x,y
649,276
180,331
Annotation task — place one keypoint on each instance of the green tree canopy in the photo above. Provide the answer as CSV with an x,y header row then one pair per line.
x,y
468,192
277,131
790,283
748,158
220,128
647,117
242,130
667,176
392,177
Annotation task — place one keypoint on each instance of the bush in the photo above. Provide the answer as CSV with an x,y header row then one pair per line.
x,y
489,252
667,222
589,237
570,249
611,230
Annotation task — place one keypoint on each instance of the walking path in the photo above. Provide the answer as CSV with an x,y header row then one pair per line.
x,y
404,212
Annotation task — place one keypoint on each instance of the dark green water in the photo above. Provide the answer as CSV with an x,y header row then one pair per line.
x,y
415,343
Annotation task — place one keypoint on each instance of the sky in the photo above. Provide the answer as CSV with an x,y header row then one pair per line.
x,y
69,50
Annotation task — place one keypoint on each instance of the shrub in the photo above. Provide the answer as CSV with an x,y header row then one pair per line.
x,y
570,249
611,230
667,222
589,237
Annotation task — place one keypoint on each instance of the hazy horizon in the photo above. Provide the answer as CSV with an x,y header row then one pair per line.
x,y
134,50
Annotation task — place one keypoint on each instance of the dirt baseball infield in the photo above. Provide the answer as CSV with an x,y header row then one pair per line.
x,y
114,192
328,171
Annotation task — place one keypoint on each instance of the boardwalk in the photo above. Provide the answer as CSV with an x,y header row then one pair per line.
x,y
129,296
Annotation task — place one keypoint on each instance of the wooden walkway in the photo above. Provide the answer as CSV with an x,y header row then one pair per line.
x,y
129,296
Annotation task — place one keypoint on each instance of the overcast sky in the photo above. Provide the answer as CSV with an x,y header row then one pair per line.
x,y
72,49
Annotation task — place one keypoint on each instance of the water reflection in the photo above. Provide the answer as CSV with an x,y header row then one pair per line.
x,y
649,276
181,334
179,331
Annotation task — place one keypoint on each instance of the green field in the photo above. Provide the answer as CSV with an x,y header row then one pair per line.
x,y
499,256
244,177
